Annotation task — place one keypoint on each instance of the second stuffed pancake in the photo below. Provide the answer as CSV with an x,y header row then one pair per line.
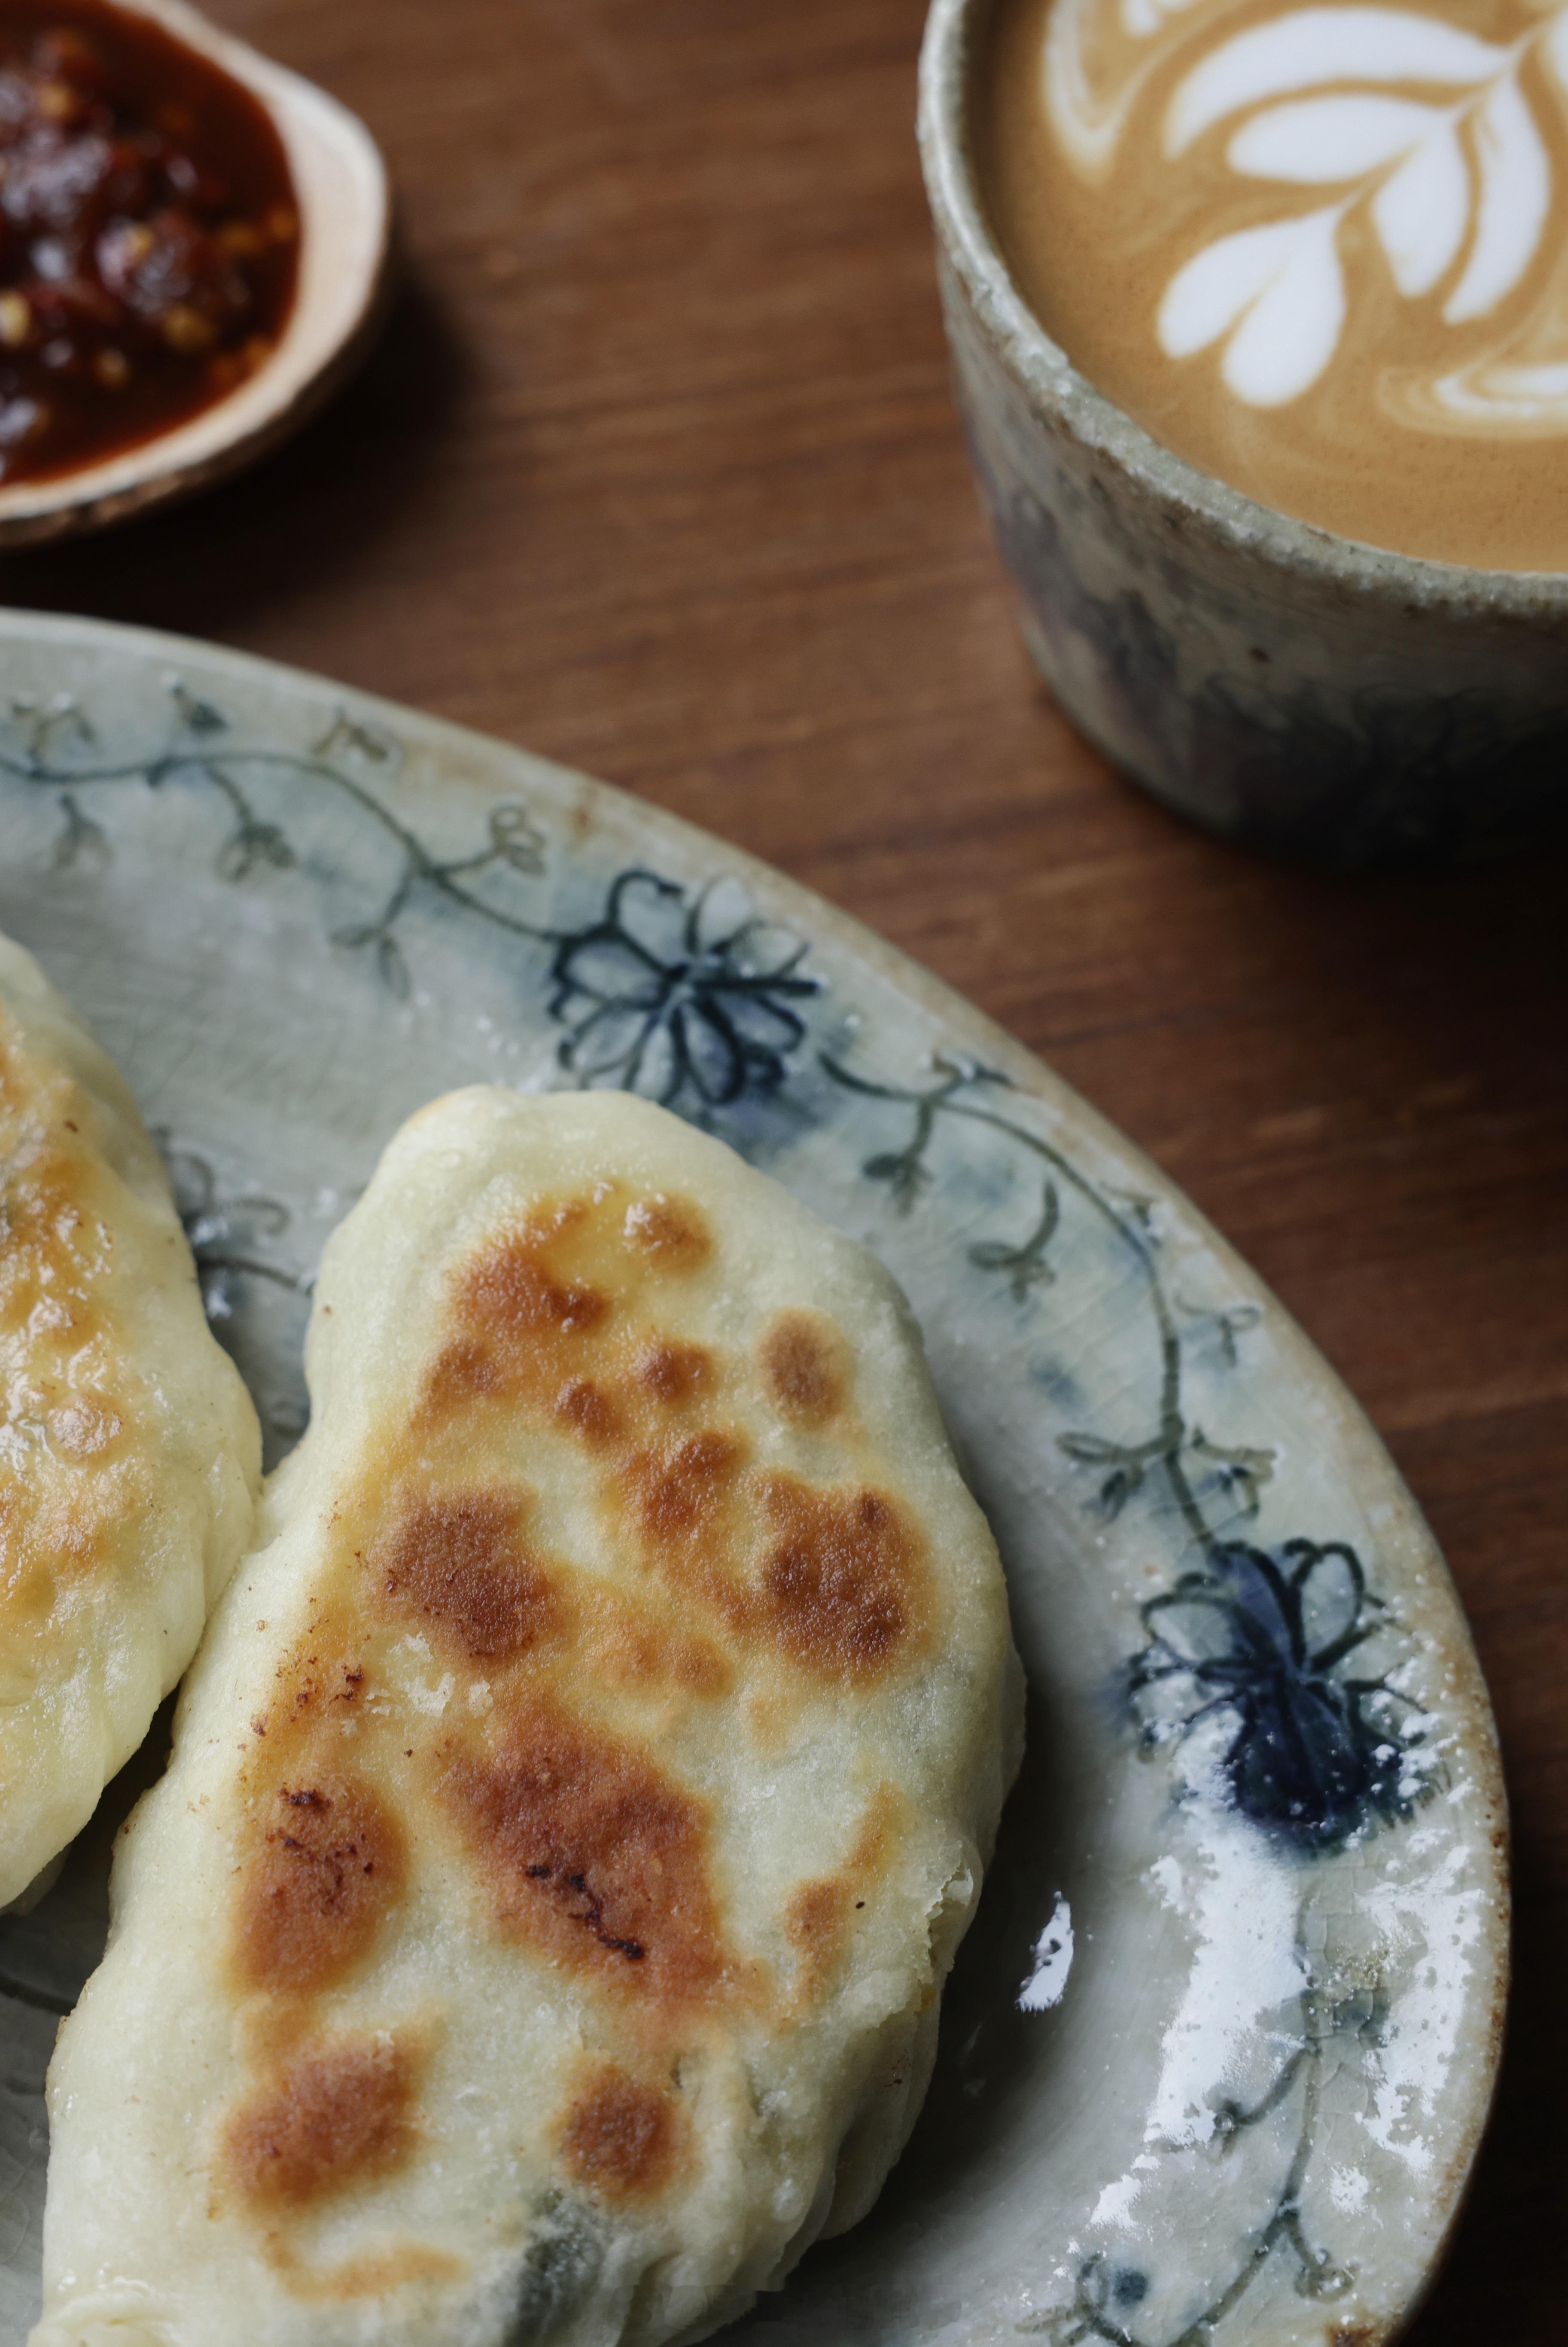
x,y
129,1454
577,1804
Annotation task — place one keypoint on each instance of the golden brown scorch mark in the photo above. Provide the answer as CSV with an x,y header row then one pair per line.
x,y
461,1567
586,1409
461,1374
681,1496
339,2115
540,1306
459,1563
374,2276
842,1578
325,1863
669,1233
619,2137
640,1646
803,1365
64,1343
54,1257
815,1914
818,1913
551,1317
842,1588
674,1374
511,1292
594,1856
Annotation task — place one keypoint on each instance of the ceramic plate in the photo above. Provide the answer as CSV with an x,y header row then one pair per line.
x,y
1218,2049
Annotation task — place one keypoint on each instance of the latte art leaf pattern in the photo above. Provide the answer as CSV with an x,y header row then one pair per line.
x,y
1282,289
1514,195
1422,211
1428,132
1284,283
1313,47
1321,140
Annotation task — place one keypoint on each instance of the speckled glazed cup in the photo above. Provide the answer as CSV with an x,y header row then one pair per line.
x,y
1282,685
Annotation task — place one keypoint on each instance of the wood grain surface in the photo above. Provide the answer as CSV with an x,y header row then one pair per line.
x,y
656,472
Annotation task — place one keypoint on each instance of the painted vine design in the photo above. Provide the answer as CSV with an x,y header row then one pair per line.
x,y
1318,1755
1107,2295
666,991
52,749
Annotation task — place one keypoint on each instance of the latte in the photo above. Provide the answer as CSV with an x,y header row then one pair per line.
x,y
1319,251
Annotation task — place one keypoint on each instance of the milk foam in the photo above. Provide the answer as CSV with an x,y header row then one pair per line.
x,y
1427,131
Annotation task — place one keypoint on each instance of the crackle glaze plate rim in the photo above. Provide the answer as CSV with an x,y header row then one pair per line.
x,y
1257,1858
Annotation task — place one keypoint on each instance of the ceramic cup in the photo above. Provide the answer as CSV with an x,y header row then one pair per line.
x,y
1283,686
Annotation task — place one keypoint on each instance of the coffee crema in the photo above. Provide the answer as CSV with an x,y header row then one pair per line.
x,y
1321,251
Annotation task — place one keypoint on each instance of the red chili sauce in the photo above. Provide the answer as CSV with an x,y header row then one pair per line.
x,y
148,234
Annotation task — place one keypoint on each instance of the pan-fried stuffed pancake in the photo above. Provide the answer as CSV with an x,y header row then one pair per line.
x,y
579,1797
129,1454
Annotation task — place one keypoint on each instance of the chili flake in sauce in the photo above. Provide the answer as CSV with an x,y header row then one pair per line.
x,y
148,235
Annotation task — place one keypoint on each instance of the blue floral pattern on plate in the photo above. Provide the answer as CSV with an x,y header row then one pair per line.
x,y
665,997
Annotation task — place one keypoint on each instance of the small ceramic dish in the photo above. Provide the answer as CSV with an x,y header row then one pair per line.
x,y
1217,2053
1282,685
340,186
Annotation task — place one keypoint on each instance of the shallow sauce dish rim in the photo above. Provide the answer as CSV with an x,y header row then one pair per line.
x,y
343,197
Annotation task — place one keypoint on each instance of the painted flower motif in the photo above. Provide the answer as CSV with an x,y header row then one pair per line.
x,y
686,999
1259,1643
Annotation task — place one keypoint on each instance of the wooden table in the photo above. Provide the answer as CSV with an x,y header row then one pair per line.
x,y
656,472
